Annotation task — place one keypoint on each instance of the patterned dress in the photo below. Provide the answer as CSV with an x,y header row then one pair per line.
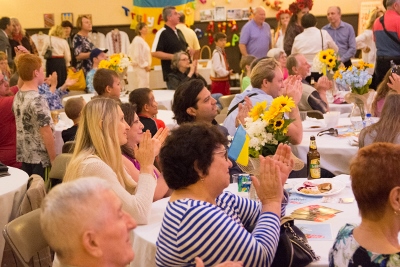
x,y
347,252
82,44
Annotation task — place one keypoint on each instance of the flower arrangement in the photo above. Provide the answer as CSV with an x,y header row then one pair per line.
x,y
298,5
117,62
357,78
268,128
326,61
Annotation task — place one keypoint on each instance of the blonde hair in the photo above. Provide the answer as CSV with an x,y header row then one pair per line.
x,y
98,135
16,21
263,70
382,91
3,56
57,31
376,13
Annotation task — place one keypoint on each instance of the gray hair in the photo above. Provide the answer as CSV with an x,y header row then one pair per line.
x,y
67,210
176,58
275,53
167,11
390,2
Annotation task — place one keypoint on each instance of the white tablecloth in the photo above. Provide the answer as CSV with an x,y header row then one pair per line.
x,y
336,152
145,236
342,108
12,190
163,97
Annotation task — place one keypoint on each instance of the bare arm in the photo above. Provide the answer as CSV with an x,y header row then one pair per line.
x,y
294,89
243,49
82,56
162,55
48,140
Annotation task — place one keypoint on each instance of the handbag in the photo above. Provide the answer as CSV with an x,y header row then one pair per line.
x,y
293,248
49,51
79,76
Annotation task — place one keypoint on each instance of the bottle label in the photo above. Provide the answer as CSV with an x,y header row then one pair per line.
x,y
315,170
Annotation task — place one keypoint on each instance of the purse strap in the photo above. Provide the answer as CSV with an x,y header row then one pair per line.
x,y
51,47
322,39
235,106
382,20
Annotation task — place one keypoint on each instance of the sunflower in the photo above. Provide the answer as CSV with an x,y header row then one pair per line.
x,y
323,55
283,103
278,124
330,51
271,113
115,61
337,75
104,64
257,110
115,56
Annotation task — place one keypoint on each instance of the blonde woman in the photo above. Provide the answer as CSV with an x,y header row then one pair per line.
x,y
139,51
97,153
61,54
20,37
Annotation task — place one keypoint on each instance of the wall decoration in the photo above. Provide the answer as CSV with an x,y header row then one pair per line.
x,y
207,15
234,14
67,16
220,13
126,10
48,20
246,13
365,10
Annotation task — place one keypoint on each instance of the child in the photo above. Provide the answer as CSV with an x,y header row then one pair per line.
x,y
245,63
73,109
107,83
220,70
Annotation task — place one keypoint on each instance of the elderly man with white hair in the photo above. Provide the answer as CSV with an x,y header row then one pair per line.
x,y
255,37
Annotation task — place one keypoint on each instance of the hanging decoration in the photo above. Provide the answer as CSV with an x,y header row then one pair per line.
x,y
203,1
276,5
235,39
199,33
126,10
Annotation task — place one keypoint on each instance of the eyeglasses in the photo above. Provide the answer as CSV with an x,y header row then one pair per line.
x,y
225,152
184,59
330,131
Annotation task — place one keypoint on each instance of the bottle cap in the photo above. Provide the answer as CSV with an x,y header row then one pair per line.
x,y
369,115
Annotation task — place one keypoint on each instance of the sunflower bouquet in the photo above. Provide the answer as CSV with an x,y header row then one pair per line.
x,y
357,78
117,62
268,128
326,61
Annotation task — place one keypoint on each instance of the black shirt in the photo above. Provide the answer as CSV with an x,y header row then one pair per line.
x,y
168,42
69,134
175,78
149,124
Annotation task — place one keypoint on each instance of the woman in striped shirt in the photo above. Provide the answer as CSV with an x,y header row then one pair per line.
x,y
203,221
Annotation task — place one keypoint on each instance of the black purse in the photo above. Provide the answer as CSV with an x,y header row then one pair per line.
x,y
49,51
293,248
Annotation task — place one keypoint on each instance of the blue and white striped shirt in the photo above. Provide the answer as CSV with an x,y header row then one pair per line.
x,y
217,233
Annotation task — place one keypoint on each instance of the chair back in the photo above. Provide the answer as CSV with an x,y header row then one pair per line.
x,y
25,237
58,168
226,100
68,147
161,107
220,118
34,196
315,114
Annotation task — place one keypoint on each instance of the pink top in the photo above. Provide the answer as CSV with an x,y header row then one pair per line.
x,y
379,106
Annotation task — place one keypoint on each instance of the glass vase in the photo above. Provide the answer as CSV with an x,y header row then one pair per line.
x,y
357,116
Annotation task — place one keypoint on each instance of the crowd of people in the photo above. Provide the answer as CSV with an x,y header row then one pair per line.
x,y
124,158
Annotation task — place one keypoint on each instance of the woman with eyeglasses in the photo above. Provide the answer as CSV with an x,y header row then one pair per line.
x,y
201,220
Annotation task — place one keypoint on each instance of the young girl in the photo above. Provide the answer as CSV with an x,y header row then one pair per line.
x,y
245,63
283,18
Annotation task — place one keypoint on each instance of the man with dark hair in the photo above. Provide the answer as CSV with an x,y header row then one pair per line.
x,y
310,42
5,31
387,42
107,83
168,40
190,36
146,109
343,35
193,103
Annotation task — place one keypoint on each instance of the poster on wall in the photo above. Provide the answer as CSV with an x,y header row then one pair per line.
x,y
234,14
365,10
48,20
67,17
246,14
207,15
220,13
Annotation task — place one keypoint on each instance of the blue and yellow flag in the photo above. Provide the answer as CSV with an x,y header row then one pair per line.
x,y
239,149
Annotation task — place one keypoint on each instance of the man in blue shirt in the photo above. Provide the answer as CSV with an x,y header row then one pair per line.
x,y
255,37
343,35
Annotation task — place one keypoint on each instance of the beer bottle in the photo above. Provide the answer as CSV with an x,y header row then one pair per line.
x,y
313,161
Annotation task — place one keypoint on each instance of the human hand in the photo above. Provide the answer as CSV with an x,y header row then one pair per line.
x,y
195,64
244,109
394,82
293,88
268,184
147,69
283,158
191,52
69,82
145,153
323,84
158,139
20,50
366,49
199,263
52,79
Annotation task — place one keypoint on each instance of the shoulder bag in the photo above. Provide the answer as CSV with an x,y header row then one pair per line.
x,y
293,248
49,51
382,21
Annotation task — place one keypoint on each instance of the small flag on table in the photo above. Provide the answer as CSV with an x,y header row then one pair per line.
x,y
239,149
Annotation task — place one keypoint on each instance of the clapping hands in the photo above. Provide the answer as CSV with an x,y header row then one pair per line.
x,y
158,139
293,88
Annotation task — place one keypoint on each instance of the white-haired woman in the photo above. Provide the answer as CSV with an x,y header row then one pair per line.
x,y
97,153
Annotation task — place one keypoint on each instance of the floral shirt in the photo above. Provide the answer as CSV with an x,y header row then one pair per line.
x,y
31,113
53,99
82,44
347,252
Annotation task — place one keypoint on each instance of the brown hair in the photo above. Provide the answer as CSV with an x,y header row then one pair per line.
x,y
73,107
79,21
26,65
382,91
140,97
129,111
218,36
139,26
263,70
246,60
103,78
371,186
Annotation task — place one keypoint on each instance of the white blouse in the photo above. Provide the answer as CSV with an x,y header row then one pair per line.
x,y
139,52
60,48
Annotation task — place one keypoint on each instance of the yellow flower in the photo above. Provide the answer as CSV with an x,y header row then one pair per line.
x,y
115,61
337,75
278,124
120,70
322,56
270,114
283,103
104,64
115,56
330,51
257,110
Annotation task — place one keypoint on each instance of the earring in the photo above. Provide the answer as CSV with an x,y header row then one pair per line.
x,y
397,212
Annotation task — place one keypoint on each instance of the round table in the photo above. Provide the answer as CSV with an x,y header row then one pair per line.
x,y
163,97
12,190
336,152
145,236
